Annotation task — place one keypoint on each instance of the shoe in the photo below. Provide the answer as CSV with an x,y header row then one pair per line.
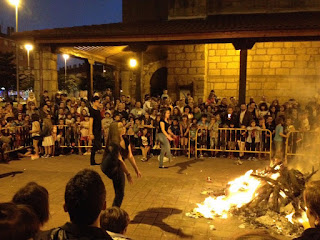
x,y
254,159
44,156
249,158
93,164
163,167
144,159
200,156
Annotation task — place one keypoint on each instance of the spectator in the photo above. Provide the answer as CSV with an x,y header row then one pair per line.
x,y
137,111
245,116
36,197
115,221
85,198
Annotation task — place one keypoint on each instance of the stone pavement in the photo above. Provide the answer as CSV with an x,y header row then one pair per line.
x,y
157,203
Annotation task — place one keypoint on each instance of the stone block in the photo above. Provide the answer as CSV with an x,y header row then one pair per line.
x,y
181,70
304,57
199,48
189,48
313,50
315,44
254,85
214,59
287,64
231,52
191,56
221,52
254,71
261,58
187,64
296,71
175,64
197,63
214,72
275,64
230,72
192,71
232,85
266,65
220,86
290,57
301,64
261,51
277,57
278,44
256,64
311,72
221,46
212,53
282,71
227,59
300,50
233,65
200,70
288,50
181,56
171,56
200,56
288,44
212,65
273,51
213,46
268,44
222,65
270,85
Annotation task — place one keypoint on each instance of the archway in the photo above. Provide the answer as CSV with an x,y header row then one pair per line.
x,y
158,82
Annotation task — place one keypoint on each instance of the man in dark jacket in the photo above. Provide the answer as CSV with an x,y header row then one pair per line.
x,y
244,116
85,198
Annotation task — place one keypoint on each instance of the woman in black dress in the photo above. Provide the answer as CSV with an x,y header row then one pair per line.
x,y
117,150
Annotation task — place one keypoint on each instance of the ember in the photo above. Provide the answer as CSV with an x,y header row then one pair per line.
x,y
271,198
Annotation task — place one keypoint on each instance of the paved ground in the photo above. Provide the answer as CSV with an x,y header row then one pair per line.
x,y
157,203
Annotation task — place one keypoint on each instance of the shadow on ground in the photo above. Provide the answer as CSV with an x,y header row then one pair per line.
x,y
184,165
156,216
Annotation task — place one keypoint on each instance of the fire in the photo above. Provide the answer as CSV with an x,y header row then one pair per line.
x,y
241,191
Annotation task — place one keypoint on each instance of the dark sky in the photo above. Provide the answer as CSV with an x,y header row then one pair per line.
x,y
44,14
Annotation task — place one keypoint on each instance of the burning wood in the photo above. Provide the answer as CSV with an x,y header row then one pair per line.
x,y
272,198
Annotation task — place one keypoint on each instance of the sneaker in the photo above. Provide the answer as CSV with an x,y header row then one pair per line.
x,y
200,156
44,156
254,159
249,158
239,162
143,160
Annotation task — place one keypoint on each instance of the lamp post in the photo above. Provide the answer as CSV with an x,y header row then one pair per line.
x,y
16,4
29,48
66,57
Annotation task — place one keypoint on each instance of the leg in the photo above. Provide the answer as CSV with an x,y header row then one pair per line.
x,y
36,148
118,184
93,152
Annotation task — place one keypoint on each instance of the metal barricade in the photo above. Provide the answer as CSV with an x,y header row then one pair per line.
x,y
233,140
302,144
15,138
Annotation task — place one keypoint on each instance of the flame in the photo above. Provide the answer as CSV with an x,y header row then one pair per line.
x,y
240,191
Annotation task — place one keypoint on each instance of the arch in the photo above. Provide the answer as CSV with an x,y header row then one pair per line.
x,y
158,81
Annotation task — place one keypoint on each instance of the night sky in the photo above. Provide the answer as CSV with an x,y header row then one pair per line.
x,y
44,14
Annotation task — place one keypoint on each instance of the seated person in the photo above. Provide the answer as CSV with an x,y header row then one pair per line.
x,y
312,199
85,198
115,221
36,197
17,222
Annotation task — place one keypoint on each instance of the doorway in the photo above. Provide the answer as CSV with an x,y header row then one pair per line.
x,y
158,82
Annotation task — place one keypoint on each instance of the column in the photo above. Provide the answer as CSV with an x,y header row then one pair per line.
x,y
117,82
139,75
243,76
91,62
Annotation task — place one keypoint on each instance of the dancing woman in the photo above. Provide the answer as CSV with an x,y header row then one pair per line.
x,y
164,136
117,150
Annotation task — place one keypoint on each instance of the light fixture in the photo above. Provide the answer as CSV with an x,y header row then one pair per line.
x,y
133,62
66,56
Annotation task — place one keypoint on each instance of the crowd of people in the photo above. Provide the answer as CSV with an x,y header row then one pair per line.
x,y
61,125
85,202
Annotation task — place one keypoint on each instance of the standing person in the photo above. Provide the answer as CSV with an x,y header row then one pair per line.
x,y
35,134
46,132
95,128
164,136
113,165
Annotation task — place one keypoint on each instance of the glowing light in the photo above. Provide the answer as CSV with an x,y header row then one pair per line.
x,y
14,2
133,62
289,217
66,57
28,47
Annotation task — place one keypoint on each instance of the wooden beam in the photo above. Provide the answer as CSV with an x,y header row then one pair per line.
x,y
243,76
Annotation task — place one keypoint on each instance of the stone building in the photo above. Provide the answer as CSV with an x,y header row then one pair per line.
x,y
239,48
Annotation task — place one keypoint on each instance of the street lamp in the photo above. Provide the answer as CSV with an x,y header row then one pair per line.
x,y
29,48
66,57
133,62
16,4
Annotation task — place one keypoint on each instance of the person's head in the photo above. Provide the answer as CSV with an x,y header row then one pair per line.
x,y
45,93
82,103
196,109
176,111
230,110
279,120
262,121
288,121
95,101
45,108
213,119
243,126
175,122
61,111
165,113
61,121
20,117
204,118
115,220
283,108
186,109
252,105
165,91
269,119
272,109
17,222
263,106
117,117
144,131
36,197
85,197
35,117
312,201
185,118
194,120
243,107
138,105
253,123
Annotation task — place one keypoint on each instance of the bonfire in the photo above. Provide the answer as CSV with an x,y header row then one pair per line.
x,y
272,198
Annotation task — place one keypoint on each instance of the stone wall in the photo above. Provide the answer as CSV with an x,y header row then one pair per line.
x,y
279,70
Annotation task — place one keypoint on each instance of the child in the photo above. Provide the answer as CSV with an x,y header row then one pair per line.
x,y
193,134
35,133
84,130
47,142
184,133
214,133
130,132
69,122
203,133
137,133
106,124
278,138
175,128
231,139
145,145
60,135
253,138
242,141
262,125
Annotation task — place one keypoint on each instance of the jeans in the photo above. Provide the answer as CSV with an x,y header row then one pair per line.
x,y
116,174
165,148
96,145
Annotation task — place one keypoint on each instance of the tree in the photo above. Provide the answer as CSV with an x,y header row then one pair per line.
x,y
7,71
70,84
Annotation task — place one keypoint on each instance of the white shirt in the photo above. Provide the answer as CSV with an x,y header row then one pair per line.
x,y
242,116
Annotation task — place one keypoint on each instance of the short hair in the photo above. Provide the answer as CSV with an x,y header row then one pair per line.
x,y
312,197
85,197
115,220
35,117
35,196
95,98
17,222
